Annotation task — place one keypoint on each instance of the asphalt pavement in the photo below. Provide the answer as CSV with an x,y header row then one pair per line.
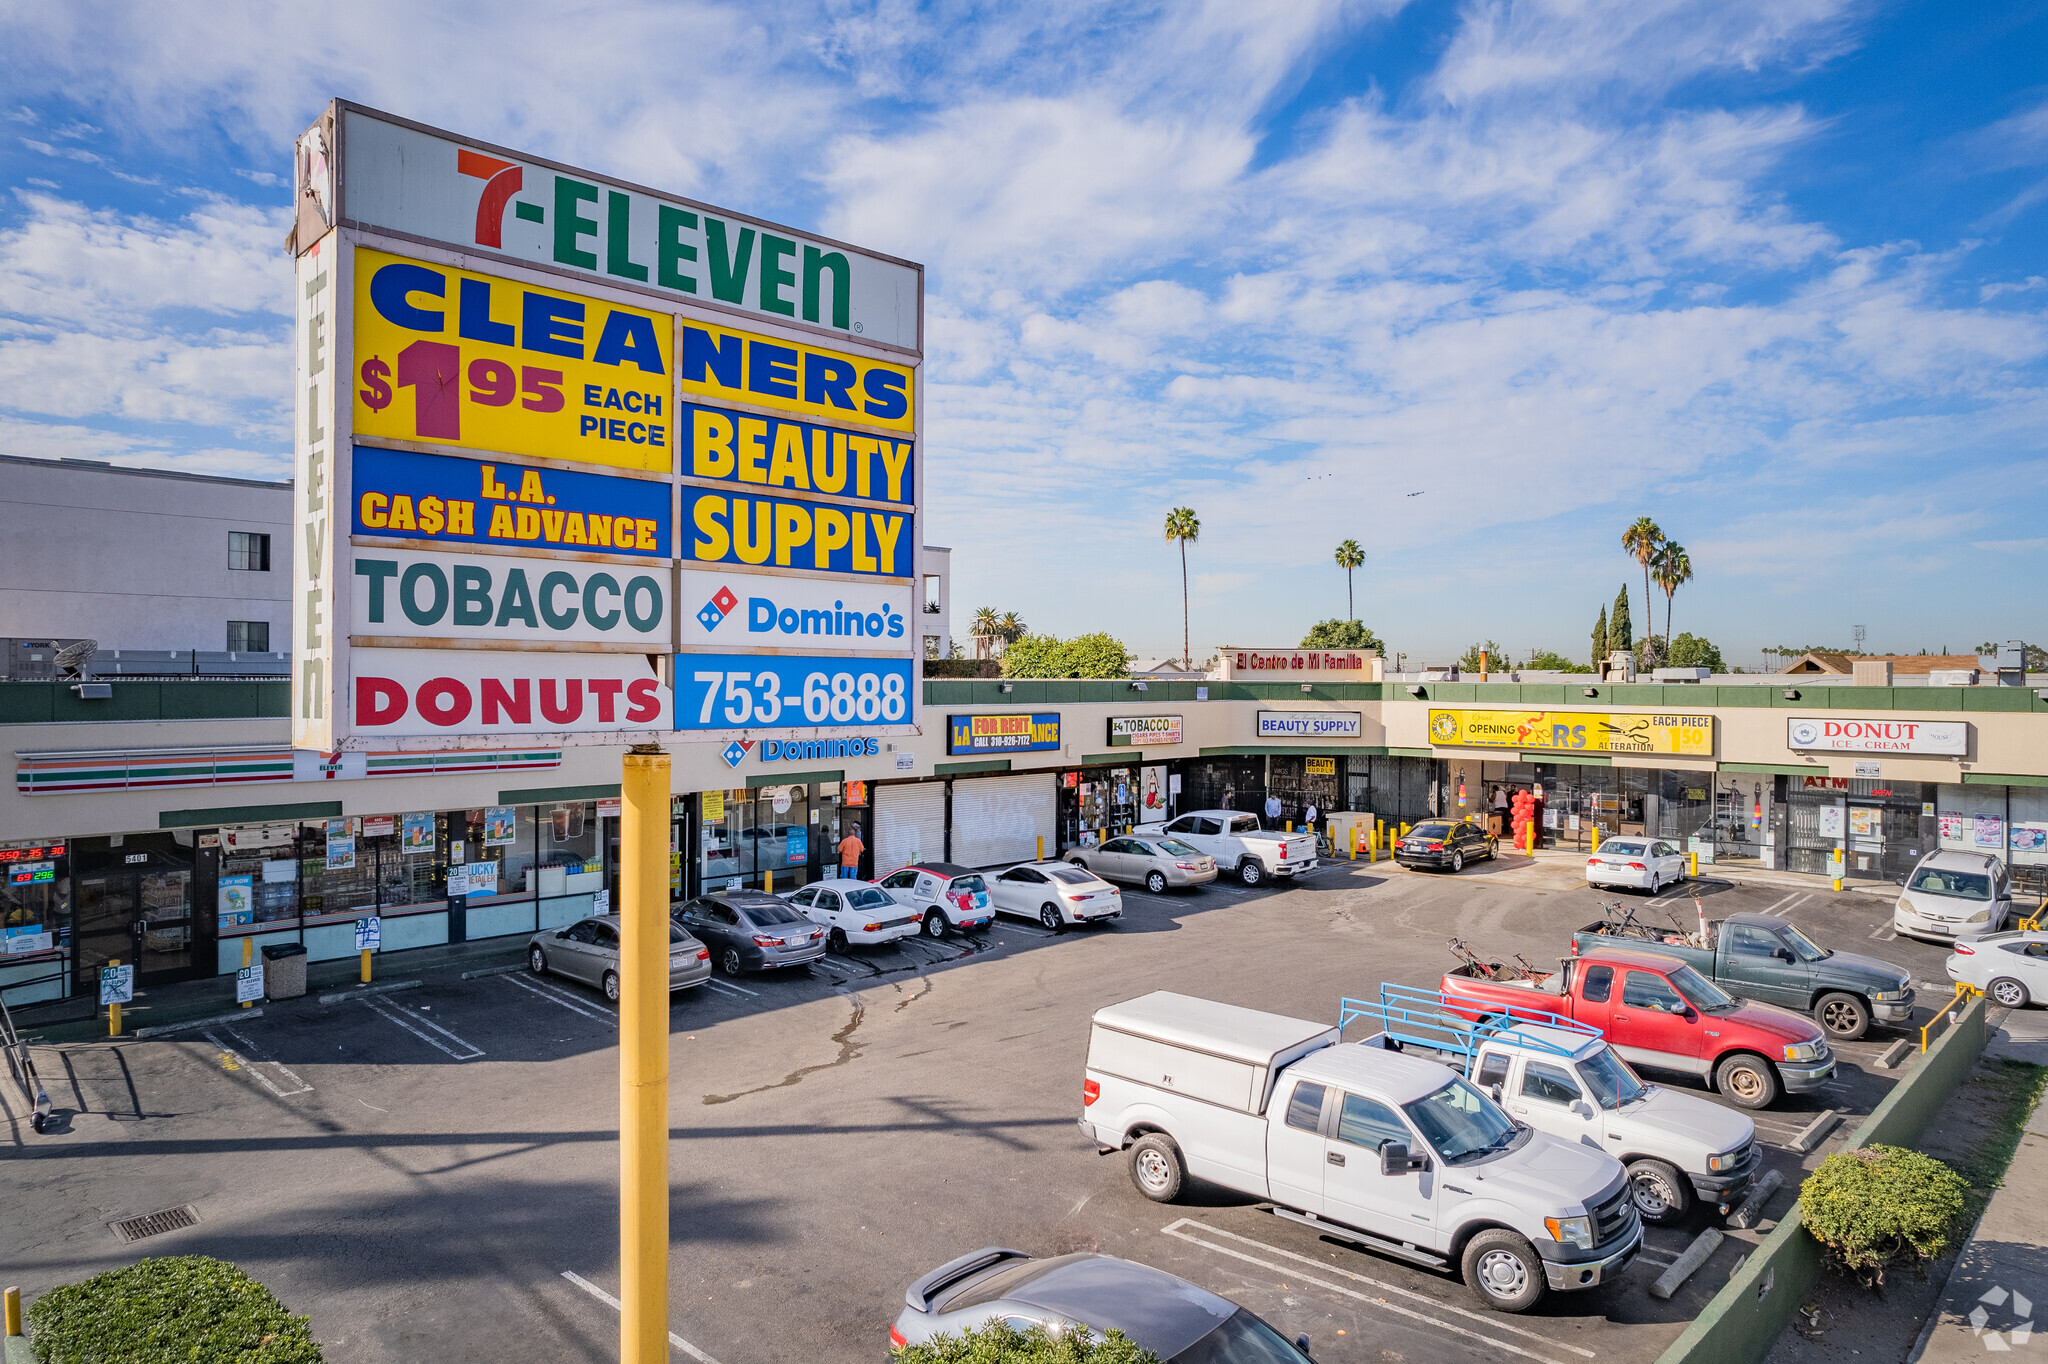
x,y
432,1173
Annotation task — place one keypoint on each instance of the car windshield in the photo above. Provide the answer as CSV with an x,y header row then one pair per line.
x,y
1241,1339
1432,831
1700,992
1173,847
1622,849
1461,1123
1610,1081
771,914
1802,944
969,885
1963,885
1073,876
675,932
867,897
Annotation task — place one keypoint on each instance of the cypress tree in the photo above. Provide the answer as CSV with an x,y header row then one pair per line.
x,y
1600,640
1621,635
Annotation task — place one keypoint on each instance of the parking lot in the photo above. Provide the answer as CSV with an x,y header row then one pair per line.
x,y
431,1173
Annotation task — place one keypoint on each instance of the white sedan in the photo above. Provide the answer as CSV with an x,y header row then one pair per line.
x,y
1636,864
2012,968
1055,894
854,912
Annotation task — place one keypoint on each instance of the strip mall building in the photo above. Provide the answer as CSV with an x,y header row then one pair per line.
x,y
169,821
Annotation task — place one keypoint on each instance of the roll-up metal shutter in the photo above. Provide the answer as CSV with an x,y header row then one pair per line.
x,y
910,825
1001,819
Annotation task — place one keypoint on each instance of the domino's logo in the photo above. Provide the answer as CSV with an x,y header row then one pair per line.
x,y
736,752
715,611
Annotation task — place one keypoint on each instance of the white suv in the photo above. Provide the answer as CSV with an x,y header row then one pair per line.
x,y
1953,895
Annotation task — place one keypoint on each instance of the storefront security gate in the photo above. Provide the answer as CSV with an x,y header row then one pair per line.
x,y
910,825
1002,819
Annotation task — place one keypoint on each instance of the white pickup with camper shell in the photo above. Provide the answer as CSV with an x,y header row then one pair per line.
x,y
1239,845
1400,1155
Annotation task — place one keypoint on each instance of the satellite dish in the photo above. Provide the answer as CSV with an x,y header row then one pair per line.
x,y
72,658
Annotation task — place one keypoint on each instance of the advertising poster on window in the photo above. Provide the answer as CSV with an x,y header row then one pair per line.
x,y
341,853
799,846
1989,831
237,901
1863,821
714,807
416,833
1152,791
2030,838
501,825
1951,827
1830,821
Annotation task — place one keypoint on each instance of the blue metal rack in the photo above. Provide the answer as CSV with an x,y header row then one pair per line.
x,y
1428,1018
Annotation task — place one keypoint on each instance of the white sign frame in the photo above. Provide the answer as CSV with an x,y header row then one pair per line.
x,y
249,983
1876,734
1310,724
117,984
370,933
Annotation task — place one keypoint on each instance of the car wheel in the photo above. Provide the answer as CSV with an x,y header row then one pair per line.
x,y
1157,1167
1457,862
730,960
1050,917
1662,1195
1504,1270
538,961
935,924
1155,881
1842,1017
2007,993
1748,1081
836,942
611,986
1251,871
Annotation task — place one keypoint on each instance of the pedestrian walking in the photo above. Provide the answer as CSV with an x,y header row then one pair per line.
x,y
1311,815
1500,809
1229,798
850,849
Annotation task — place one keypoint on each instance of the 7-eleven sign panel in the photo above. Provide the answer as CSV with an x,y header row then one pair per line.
x,y
430,696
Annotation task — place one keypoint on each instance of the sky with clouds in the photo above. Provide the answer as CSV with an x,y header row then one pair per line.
x,y
1475,284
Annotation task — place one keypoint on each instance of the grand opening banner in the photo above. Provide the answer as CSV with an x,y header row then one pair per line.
x,y
1574,731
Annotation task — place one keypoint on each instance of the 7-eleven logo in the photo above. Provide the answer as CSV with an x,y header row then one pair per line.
x,y
501,181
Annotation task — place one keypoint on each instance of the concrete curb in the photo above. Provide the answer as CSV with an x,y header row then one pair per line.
x,y
1816,1131
1698,1253
494,971
1895,1053
1751,1211
158,1030
365,991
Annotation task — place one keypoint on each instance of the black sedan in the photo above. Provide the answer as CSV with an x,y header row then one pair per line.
x,y
1444,844
749,930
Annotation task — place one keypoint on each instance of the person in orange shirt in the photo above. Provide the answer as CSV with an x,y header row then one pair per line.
x,y
850,849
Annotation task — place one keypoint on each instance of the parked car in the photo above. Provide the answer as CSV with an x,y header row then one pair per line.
x,y
1764,958
751,930
1239,845
1954,895
1562,1077
946,895
1657,1011
1636,863
1397,1154
2012,968
1160,1312
1156,862
588,950
853,912
1446,845
1056,895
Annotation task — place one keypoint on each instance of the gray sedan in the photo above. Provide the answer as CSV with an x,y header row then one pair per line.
x,y
1160,1312
588,950
1154,862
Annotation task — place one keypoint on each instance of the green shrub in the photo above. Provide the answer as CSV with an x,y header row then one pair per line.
x,y
187,1308
1882,1206
1001,1343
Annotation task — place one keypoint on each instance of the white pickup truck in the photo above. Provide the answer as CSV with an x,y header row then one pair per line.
x,y
1561,1077
1399,1155
1238,844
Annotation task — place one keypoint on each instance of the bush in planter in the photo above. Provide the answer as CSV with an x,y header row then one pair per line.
x,y
1001,1343
1882,1206
188,1308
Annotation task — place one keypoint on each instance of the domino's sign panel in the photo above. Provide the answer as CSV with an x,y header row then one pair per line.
x,y
750,611
782,693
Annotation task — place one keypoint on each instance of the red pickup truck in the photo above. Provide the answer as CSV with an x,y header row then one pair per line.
x,y
1661,1013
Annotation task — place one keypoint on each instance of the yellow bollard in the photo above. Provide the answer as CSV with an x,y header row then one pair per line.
x,y
1692,865
1041,848
366,966
114,1011
643,1056
14,1311
768,881
1596,838
1290,826
248,955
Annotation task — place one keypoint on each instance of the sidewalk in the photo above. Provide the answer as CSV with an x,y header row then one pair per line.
x,y
157,1005
1998,1291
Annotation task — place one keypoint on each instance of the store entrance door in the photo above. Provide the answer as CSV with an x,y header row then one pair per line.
x,y
143,918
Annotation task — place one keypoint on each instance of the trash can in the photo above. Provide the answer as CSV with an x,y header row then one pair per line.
x,y
284,970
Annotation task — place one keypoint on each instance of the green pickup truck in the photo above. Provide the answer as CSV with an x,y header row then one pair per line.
x,y
1756,956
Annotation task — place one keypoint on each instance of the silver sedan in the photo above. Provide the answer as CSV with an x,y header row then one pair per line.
x,y
1153,862
588,950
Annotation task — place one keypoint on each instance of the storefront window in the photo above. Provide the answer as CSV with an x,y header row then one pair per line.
x,y
337,875
35,901
767,832
412,866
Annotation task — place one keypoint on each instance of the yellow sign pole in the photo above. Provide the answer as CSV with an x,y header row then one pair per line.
x,y
366,966
114,1010
643,1056
248,955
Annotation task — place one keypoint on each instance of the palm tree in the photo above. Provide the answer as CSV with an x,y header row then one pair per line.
x,y
1011,628
986,628
1673,571
1643,540
1183,528
1349,556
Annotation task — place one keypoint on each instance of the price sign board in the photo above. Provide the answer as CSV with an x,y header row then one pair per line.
x,y
117,984
566,448
249,984
369,933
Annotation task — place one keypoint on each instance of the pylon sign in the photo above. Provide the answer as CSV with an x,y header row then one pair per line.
x,y
579,462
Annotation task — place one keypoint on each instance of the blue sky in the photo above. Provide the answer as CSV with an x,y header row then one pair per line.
x,y
1473,283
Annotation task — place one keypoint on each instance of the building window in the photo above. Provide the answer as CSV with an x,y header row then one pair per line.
x,y
931,594
249,636
931,646
250,551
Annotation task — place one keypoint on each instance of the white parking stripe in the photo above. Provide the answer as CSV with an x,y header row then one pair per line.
x,y
1884,933
1012,928
594,1291
555,996
1175,1231
385,1009
233,1060
1773,909
730,988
